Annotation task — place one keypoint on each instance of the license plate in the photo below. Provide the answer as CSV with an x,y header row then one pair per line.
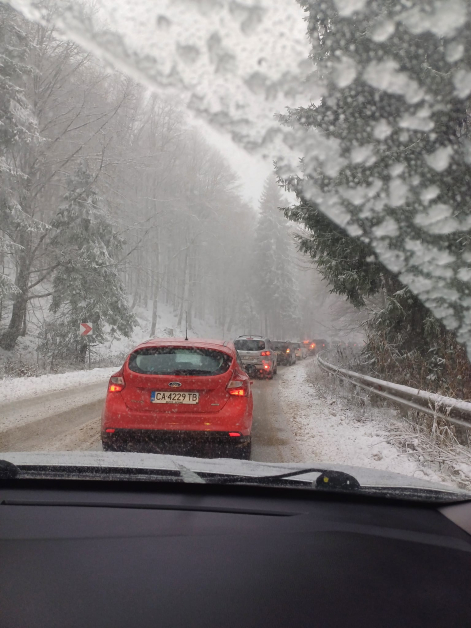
x,y
174,397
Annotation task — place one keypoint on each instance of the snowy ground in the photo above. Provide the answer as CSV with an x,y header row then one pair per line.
x,y
300,416
328,428
113,351
17,388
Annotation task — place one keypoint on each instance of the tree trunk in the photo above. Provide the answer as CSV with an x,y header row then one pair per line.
x,y
184,298
153,324
18,314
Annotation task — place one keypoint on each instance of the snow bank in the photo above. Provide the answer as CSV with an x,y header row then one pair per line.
x,y
326,429
16,388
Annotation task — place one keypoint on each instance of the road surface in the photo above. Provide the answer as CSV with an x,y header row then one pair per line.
x,y
69,420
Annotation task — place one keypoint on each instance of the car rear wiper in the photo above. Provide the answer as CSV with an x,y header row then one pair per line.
x,y
181,372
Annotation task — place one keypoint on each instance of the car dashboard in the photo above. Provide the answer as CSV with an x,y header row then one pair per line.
x,y
103,553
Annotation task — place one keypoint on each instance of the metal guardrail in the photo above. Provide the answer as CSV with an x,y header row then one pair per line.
x,y
454,410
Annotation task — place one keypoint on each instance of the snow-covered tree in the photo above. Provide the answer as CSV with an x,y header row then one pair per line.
x,y
274,285
86,286
383,195
17,125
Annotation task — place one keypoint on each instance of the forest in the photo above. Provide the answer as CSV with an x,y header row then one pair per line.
x,y
112,203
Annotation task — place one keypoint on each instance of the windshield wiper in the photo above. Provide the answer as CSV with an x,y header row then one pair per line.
x,y
327,479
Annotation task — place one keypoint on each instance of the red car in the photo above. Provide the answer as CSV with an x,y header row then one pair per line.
x,y
180,396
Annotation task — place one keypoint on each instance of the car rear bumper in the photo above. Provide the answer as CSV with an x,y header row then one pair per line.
x,y
234,416
185,443
284,360
259,368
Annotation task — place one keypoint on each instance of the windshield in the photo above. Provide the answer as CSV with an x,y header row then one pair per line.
x,y
178,361
280,346
249,345
182,181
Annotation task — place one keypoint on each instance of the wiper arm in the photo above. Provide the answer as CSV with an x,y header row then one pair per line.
x,y
327,479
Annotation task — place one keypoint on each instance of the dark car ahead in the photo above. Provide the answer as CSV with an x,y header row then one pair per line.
x,y
317,344
285,352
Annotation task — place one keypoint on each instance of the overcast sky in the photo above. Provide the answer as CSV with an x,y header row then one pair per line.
x,y
272,49
252,170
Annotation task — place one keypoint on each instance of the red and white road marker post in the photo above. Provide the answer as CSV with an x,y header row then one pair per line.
x,y
86,329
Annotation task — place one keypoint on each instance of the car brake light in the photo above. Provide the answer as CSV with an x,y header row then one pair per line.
x,y
313,345
116,384
234,434
287,350
110,430
266,353
266,366
237,388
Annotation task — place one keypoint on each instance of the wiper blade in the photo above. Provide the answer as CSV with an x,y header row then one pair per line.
x,y
179,473
326,480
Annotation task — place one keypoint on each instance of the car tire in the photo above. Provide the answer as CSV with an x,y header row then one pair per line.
x,y
275,371
108,447
246,451
271,374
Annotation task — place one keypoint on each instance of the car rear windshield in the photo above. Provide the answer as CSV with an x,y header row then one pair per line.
x,y
179,361
280,346
249,345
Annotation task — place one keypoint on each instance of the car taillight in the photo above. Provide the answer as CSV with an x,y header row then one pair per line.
x,y
266,353
287,350
238,388
234,433
116,384
313,345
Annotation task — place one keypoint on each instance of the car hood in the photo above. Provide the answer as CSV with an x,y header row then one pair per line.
x,y
45,465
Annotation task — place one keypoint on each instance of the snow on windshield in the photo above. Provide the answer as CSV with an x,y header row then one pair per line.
x,y
392,169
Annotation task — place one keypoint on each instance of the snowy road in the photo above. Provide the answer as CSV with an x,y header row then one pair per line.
x,y
69,419
297,418
64,420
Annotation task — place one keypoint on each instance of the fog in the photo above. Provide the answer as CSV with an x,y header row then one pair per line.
x,y
118,210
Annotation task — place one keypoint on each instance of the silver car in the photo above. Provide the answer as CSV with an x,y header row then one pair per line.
x,y
257,356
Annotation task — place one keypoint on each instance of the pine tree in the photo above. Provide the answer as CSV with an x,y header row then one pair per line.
x,y
86,286
274,289
390,163
16,125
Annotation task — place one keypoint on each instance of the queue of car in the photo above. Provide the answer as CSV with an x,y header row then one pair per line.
x,y
180,396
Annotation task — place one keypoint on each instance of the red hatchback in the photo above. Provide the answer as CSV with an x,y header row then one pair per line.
x,y
180,396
